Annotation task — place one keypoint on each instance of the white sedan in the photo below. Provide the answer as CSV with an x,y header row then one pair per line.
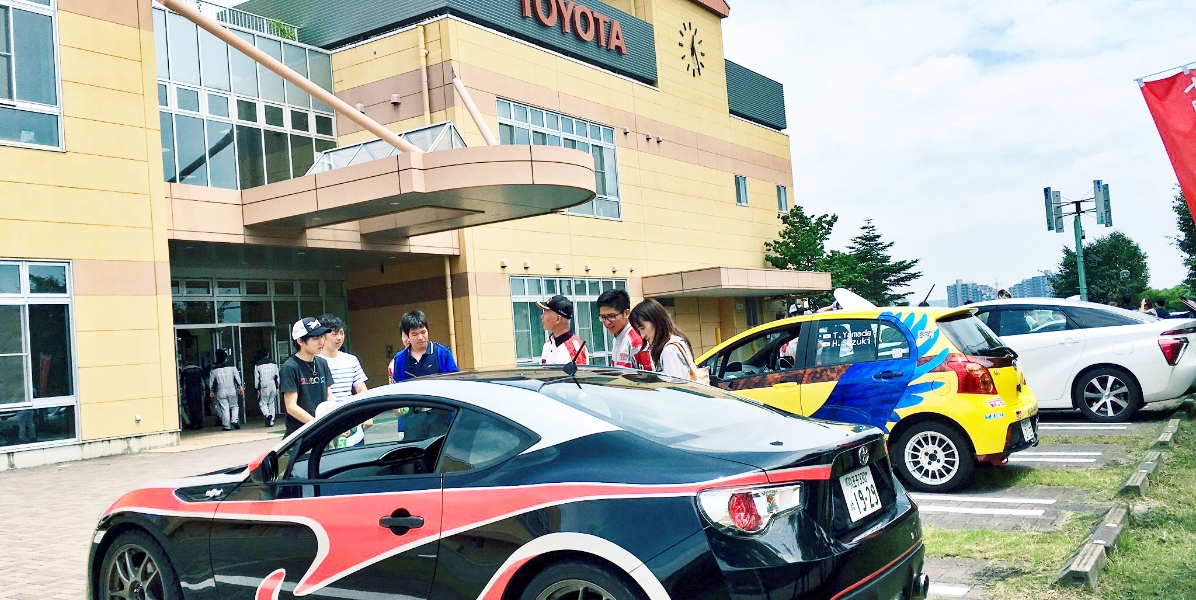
x,y
1103,360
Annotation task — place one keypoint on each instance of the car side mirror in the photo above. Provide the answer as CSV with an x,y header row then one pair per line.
x,y
266,470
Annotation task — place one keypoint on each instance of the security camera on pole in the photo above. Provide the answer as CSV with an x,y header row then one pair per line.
x,y
1055,214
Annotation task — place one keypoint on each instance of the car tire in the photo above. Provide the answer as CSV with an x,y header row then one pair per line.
x,y
1106,395
575,580
933,457
135,567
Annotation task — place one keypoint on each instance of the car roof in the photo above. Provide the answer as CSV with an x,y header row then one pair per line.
x,y
933,312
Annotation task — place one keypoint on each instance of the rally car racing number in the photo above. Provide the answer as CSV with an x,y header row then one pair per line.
x,y
859,490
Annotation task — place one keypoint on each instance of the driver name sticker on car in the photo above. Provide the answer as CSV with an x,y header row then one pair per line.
x,y
1028,430
859,490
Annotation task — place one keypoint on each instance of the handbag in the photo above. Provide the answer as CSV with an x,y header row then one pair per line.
x,y
696,373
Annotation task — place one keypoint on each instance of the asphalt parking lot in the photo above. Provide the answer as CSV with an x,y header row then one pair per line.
x,y
990,504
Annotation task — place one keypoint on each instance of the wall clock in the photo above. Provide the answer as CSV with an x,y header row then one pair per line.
x,y
691,49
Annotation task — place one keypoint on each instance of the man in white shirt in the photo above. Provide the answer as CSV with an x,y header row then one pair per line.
x,y
614,310
562,346
348,378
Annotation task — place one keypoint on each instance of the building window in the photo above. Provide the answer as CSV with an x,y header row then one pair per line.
x,y
519,124
529,333
228,122
741,191
782,199
37,367
30,111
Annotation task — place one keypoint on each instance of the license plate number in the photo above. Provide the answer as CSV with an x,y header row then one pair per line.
x,y
1028,430
859,490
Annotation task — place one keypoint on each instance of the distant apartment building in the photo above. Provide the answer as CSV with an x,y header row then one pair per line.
x,y
1038,286
962,291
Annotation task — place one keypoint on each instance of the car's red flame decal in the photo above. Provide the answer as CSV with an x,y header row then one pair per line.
x,y
350,537
270,586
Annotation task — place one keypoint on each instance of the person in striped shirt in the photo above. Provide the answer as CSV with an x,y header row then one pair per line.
x,y
348,378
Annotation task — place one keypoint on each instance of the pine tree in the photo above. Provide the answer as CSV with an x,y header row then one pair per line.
x,y
878,274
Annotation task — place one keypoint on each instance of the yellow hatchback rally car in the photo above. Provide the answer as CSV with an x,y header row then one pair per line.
x,y
937,380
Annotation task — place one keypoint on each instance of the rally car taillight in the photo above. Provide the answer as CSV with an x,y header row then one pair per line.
x,y
748,510
974,377
1173,349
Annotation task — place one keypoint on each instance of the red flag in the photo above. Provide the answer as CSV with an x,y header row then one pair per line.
x,y
1172,103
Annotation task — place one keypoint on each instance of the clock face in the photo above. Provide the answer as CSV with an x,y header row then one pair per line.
x,y
690,46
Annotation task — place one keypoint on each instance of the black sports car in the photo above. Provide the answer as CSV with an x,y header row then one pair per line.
x,y
532,485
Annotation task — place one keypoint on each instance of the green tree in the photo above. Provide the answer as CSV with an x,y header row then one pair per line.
x,y
845,273
1186,240
801,244
1170,296
1114,267
878,275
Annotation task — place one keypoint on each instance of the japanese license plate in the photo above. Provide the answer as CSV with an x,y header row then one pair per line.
x,y
860,492
1028,430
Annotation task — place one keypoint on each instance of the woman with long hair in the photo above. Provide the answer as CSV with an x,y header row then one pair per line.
x,y
671,351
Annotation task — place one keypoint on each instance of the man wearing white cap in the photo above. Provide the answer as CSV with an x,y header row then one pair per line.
x,y
305,380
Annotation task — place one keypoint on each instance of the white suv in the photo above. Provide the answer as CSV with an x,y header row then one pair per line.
x,y
1103,360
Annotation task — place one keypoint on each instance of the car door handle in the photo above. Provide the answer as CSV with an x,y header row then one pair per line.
x,y
785,385
400,522
887,375
1070,342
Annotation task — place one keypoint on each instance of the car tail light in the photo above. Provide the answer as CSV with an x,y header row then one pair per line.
x,y
974,377
1173,349
1182,331
748,510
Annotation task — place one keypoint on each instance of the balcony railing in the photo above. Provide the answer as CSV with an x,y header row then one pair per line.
x,y
245,20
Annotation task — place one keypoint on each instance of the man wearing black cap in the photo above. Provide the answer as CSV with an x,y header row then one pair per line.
x,y
305,380
563,346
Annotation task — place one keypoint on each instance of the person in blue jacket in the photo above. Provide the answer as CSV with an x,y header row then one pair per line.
x,y
421,357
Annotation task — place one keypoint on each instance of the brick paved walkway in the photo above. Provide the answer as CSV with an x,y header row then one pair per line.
x,y
50,512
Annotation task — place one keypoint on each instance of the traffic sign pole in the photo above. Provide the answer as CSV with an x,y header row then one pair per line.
x,y
1080,254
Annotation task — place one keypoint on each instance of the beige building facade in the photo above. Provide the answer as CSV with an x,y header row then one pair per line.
x,y
168,198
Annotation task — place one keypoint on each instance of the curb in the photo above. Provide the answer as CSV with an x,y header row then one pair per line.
x,y
1139,481
1084,567
1165,438
1188,409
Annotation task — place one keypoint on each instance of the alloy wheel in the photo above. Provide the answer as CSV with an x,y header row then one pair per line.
x,y
134,575
932,457
1106,395
575,589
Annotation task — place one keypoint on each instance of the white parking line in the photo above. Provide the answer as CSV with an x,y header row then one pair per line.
x,y
1025,453
954,591
995,500
1050,459
1012,512
1066,426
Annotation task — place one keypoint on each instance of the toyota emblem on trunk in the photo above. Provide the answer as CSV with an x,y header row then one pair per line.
x,y
863,455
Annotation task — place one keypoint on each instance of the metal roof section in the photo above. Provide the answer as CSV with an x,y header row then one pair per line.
x,y
331,24
716,282
755,97
402,194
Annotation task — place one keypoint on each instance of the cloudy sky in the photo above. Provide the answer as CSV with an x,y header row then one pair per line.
x,y
943,120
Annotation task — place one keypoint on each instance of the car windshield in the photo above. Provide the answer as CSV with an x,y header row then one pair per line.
x,y
663,409
970,335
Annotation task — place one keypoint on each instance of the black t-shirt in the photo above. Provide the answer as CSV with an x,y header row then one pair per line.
x,y
310,379
426,365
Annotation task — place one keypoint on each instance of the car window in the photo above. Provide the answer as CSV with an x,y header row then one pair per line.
x,y
375,441
969,334
773,350
1088,317
841,342
983,316
664,409
1036,319
477,441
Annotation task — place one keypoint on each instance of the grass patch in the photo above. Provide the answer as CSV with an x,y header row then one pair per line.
x,y
1155,557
